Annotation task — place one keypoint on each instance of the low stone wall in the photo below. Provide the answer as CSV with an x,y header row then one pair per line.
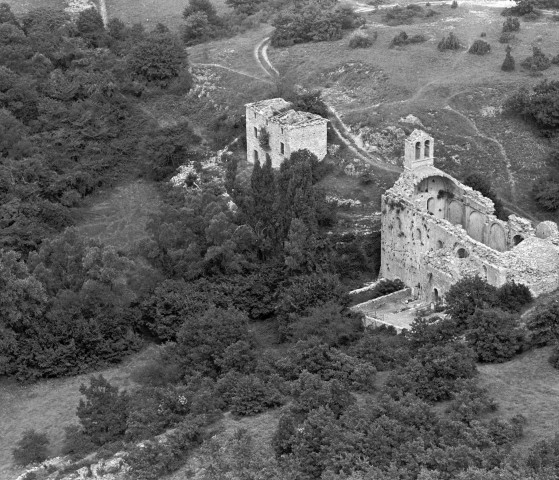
x,y
381,301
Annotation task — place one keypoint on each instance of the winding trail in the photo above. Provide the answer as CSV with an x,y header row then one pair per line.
x,y
103,12
239,72
340,128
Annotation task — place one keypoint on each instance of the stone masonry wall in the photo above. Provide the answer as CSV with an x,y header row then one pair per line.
x,y
285,136
436,230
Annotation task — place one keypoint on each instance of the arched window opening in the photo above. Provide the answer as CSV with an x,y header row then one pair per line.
x,y
398,223
427,149
462,253
418,235
517,239
440,244
431,205
256,155
436,297
418,150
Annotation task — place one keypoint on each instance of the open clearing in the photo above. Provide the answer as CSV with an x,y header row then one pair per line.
x,y
119,217
526,385
152,12
22,6
48,406
457,96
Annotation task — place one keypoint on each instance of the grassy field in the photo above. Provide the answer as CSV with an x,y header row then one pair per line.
x,y
48,406
526,385
452,93
22,6
119,217
151,12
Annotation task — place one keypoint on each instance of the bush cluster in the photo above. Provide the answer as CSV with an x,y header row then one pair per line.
x,y
450,42
479,47
404,15
362,39
488,316
511,24
404,39
312,22
32,447
506,37
537,62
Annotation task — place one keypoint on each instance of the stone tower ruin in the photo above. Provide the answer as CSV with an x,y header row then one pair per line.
x,y
287,131
435,230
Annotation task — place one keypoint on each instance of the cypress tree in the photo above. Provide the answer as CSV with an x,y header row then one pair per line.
x,y
508,64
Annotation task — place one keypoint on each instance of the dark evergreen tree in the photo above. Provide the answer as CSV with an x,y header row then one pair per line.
x,y
508,64
482,185
466,296
203,6
32,447
104,412
494,335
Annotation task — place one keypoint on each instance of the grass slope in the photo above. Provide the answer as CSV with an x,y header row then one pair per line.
x,y
119,217
48,406
151,12
526,385
456,95
22,6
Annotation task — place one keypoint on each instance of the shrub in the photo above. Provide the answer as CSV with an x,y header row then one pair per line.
x,y
403,39
470,401
253,396
104,412
479,47
483,35
546,194
511,24
508,64
537,62
152,459
76,442
159,58
310,23
554,358
531,17
433,373
544,324
202,341
330,322
361,39
513,296
494,335
506,37
32,447
466,296
330,363
382,347
454,4
399,15
449,43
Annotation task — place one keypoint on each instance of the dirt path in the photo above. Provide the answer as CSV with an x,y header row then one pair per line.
x,y
239,72
340,128
103,12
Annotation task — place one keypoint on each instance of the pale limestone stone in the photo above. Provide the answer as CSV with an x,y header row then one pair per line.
x,y
435,230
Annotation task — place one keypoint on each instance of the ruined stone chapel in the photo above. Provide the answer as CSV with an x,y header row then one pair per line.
x,y
435,230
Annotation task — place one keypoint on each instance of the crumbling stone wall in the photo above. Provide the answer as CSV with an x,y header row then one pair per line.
x,y
436,230
288,131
